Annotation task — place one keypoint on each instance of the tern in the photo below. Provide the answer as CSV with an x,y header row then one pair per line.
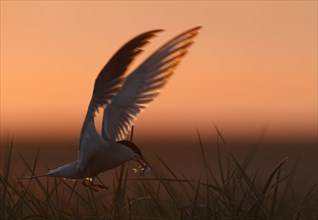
x,y
123,99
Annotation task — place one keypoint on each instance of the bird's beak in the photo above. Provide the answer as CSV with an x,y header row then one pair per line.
x,y
142,161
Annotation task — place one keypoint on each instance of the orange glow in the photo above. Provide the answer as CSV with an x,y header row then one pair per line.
x,y
254,64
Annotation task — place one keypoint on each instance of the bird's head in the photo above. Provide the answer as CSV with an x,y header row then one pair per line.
x,y
145,167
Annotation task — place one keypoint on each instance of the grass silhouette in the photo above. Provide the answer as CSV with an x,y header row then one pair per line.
x,y
230,193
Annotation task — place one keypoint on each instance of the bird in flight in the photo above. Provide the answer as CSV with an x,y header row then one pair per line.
x,y
123,99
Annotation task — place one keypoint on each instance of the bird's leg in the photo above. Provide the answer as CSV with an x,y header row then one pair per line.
x,y
101,186
91,185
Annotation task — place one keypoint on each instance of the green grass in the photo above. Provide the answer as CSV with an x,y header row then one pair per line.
x,y
230,193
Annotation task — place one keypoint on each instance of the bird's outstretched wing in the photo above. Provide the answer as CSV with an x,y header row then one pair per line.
x,y
143,85
106,85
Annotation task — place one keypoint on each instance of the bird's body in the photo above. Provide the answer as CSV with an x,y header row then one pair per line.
x,y
116,154
123,99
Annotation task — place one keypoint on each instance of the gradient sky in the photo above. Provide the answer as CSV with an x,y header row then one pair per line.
x,y
254,64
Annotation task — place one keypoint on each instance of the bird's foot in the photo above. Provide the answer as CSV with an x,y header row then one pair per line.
x,y
92,186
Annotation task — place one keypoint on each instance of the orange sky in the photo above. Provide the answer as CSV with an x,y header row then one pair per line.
x,y
254,64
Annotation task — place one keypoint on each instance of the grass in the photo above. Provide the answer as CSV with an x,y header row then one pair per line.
x,y
230,193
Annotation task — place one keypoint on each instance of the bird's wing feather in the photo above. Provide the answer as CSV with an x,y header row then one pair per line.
x,y
143,85
106,85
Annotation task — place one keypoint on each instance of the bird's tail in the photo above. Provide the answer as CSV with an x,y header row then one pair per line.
x,y
66,171
34,176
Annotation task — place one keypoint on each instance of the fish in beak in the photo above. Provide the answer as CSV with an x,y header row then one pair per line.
x,y
144,167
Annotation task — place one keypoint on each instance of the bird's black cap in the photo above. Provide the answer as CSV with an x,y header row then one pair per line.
x,y
132,146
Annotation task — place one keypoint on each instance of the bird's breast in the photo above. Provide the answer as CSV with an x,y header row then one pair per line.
x,y
106,159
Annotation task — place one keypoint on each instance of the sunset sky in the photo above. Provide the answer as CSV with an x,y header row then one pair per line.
x,y
253,65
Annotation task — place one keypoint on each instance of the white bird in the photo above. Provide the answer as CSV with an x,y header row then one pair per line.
x,y
123,99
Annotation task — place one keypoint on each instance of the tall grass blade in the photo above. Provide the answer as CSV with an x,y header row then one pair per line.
x,y
265,189
299,210
275,193
32,171
6,179
205,162
196,196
